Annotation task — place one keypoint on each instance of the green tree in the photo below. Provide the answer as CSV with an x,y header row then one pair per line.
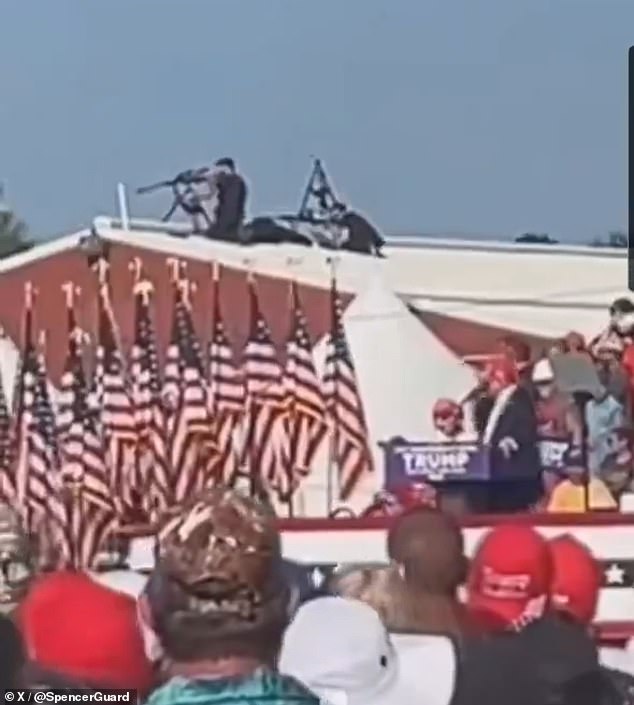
x,y
536,239
13,235
616,238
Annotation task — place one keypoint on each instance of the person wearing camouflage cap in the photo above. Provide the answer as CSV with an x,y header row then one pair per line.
x,y
16,560
218,602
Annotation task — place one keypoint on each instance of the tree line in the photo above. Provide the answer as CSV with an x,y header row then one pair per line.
x,y
14,234
615,238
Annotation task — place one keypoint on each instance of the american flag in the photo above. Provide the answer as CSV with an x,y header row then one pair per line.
x,y
193,449
265,440
306,418
90,504
227,391
116,411
40,493
350,452
153,469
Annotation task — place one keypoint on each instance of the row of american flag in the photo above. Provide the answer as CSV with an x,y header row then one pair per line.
x,y
125,443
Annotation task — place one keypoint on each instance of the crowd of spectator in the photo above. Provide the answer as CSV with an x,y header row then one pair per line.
x,y
556,425
223,618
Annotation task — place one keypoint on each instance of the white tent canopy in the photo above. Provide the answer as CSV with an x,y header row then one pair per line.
x,y
9,365
402,369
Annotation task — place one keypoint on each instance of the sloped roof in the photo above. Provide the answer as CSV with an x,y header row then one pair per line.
x,y
66,262
456,285
402,367
546,320
465,337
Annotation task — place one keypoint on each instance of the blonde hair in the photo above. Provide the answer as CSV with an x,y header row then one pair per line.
x,y
382,588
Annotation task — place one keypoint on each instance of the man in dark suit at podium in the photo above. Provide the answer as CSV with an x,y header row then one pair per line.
x,y
510,434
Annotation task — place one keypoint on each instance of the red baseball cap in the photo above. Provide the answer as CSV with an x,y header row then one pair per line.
x,y
510,577
576,579
78,628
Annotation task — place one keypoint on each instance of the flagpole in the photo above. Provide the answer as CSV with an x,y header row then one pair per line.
x,y
71,489
250,404
216,275
334,436
18,405
292,411
215,306
143,289
40,353
102,267
212,368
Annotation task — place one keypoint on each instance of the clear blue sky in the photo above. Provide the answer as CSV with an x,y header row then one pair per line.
x,y
475,116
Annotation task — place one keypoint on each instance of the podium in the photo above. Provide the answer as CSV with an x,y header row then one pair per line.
x,y
435,463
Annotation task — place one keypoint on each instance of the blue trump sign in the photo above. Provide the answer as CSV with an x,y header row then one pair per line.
x,y
407,462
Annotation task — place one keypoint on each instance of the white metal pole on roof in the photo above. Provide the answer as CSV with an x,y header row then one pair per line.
x,y
122,202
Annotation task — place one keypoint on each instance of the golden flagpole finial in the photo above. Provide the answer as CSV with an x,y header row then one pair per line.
x,y
136,267
144,288
186,289
29,294
70,292
102,267
175,269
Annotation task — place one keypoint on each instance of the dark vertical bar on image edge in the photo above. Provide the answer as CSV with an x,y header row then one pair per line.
x,y
630,167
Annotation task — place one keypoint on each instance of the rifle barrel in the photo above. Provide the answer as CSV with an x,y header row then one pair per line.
x,y
154,187
190,176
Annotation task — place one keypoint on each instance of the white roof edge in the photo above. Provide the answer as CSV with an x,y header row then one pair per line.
x,y
166,238
194,247
42,251
399,241
431,243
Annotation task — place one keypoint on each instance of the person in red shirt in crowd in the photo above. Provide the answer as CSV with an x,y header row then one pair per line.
x,y
558,418
557,415
526,653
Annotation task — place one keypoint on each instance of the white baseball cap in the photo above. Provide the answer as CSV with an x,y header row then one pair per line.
x,y
543,371
339,649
